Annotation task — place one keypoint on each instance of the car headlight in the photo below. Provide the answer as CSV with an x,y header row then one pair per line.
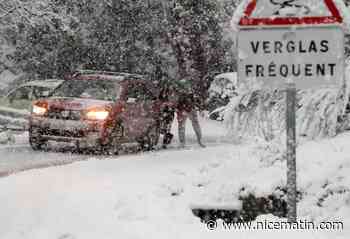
x,y
97,114
39,110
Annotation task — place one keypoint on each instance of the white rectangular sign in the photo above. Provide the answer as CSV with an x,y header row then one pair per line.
x,y
310,57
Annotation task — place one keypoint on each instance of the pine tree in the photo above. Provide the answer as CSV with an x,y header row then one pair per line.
x,y
196,37
169,40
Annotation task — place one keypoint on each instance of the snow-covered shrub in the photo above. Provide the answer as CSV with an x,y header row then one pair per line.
x,y
7,137
223,85
221,90
258,113
318,113
255,113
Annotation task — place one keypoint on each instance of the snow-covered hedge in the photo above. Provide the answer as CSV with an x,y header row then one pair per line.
x,y
223,85
221,90
255,113
258,113
6,137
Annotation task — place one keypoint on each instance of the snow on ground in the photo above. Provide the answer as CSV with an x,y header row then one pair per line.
x,y
149,195
16,154
11,117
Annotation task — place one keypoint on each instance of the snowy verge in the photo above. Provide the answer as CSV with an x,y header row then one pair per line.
x,y
152,193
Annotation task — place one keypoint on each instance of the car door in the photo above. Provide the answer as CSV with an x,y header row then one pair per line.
x,y
16,107
137,113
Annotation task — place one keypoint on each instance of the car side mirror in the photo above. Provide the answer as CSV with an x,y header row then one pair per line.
x,y
45,93
131,100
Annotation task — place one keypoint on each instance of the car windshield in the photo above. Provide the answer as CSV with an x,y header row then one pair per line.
x,y
98,89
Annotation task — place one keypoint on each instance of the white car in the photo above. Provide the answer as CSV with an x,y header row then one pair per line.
x,y
15,105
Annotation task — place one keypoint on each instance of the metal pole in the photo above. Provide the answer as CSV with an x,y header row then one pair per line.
x,y
291,153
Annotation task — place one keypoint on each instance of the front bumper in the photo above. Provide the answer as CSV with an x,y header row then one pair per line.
x,y
83,133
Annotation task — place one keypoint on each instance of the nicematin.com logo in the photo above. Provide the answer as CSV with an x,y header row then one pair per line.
x,y
271,225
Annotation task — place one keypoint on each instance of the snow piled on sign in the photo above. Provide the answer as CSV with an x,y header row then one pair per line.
x,y
238,14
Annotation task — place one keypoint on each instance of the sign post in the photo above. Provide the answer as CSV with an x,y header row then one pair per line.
x,y
291,152
293,44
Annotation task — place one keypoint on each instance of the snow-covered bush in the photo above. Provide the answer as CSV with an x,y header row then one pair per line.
x,y
6,137
221,90
318,113
223,85
258,113
255,113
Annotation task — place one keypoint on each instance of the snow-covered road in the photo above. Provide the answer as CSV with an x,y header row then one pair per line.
x,y
151,194
136,174
20,157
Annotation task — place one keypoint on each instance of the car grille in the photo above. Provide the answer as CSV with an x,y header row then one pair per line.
x,y
64,114
64,133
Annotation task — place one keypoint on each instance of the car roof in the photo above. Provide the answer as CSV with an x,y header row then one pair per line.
x,y
106,75
49,83
119,77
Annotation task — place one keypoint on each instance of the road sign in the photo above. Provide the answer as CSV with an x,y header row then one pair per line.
x,y
309,56
291,44
290,12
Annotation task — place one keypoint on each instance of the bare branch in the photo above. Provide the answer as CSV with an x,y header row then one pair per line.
x,y
8,12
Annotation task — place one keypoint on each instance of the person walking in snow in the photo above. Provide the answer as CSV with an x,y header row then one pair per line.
x,y
186,108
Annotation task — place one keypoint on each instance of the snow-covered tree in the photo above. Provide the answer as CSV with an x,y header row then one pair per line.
x,y
171,39
39,32
195,33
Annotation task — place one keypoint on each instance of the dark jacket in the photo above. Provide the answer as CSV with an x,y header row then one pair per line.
x,y
185,102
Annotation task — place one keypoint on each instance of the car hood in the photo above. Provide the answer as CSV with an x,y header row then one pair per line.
x,y
76,103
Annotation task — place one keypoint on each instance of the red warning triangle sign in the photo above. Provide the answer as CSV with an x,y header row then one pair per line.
x,y
290,12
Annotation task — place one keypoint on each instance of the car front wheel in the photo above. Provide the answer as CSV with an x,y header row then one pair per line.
x,y
35,141
117,134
